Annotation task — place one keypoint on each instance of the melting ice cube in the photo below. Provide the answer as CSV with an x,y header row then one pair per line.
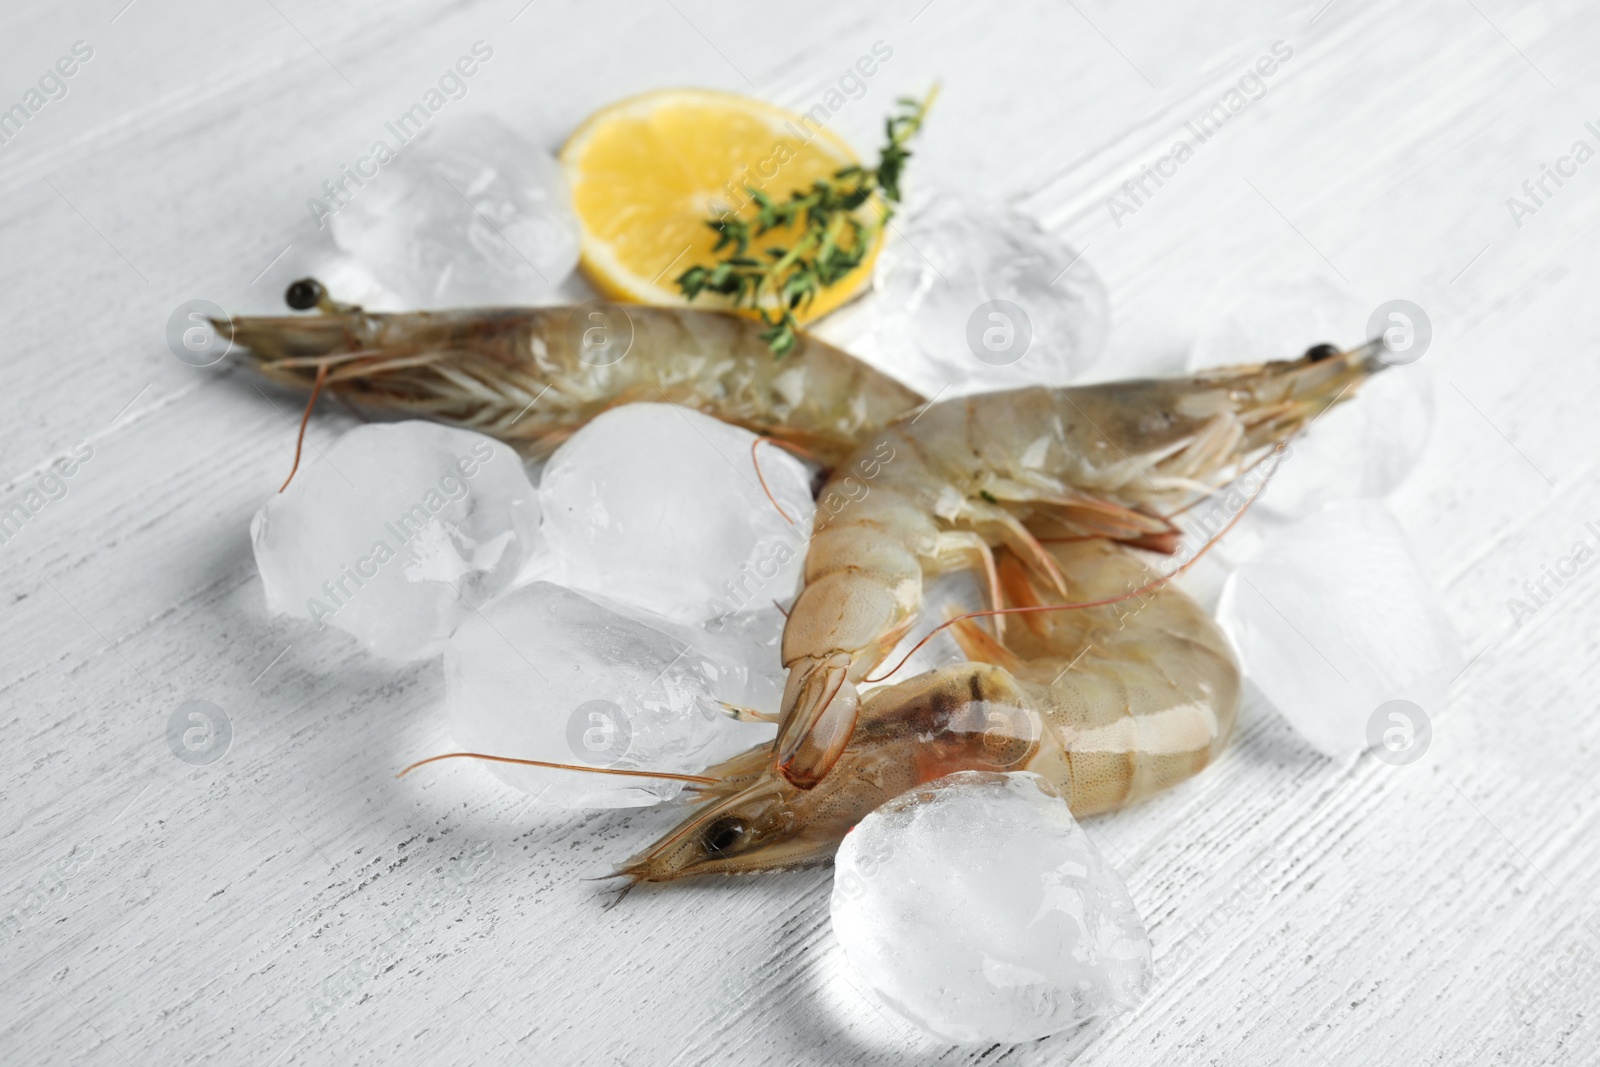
x,y
977,908
551,674
972,297
660,506
1333,619
468,213
1262,321
397,534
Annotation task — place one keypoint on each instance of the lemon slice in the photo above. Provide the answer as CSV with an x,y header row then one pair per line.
x,y
647,173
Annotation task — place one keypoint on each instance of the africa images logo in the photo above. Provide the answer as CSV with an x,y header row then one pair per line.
x,y
1554,577
52,86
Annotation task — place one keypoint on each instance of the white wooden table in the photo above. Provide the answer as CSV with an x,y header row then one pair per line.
x,y
292,903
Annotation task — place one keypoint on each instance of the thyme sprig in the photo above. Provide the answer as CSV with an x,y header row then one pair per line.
x,y
833,241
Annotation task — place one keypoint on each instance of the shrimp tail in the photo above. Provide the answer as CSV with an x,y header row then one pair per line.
x,y
816,732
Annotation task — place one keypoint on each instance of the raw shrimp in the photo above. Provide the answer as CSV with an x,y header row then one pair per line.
x,y
1111,704
934,492
532,376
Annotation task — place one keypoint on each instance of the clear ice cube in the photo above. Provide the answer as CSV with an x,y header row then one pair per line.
x,y
1364,447
398,533
970,297
1265,320
468,213
753,638
659,506
1333,619
308,249
976,907
552,674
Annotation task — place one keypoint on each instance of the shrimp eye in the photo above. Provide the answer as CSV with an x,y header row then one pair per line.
x,y
724,834
1318,353
304,294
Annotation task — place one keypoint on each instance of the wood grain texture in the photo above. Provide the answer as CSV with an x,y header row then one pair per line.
x,y
293,903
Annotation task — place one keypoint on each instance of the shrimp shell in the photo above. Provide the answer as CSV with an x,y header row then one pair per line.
x,y
523,374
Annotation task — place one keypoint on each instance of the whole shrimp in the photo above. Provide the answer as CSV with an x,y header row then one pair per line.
x,y
1111,704
532,376
937,491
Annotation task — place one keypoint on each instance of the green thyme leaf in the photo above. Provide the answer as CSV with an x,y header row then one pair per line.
x,y
833,240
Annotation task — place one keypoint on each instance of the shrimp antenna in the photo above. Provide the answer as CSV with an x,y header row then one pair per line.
x,y
698,778
1143,590
621,891
303,295
1203,497
756,462
300,438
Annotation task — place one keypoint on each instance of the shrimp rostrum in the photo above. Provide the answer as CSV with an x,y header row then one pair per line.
x,y
1111,704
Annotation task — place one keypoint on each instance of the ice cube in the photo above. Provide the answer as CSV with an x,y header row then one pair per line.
x,y
1333,619
978,908
1261,321
1364,447
659,506
397,534
754,639
307,249
551,674
970,297
468,213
